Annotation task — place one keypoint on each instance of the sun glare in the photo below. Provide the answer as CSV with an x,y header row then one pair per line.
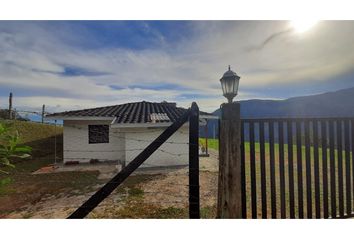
x,y
303,25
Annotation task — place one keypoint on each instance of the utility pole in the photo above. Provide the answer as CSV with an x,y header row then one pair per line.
x,y
55,143
43,111
10,106
206,137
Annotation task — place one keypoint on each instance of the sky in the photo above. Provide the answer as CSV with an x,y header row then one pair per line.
x,y
69,65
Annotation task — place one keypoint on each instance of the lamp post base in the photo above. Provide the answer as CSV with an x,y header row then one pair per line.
x,y
229,179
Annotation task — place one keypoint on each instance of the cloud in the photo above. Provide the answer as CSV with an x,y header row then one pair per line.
x,y
59,64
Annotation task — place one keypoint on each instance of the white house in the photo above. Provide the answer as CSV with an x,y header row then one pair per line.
x,y
119,133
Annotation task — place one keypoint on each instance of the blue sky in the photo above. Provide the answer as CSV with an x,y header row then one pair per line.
x,y
80,64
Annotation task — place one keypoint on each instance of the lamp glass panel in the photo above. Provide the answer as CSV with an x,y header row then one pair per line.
x,y
223,86
235,89
229,86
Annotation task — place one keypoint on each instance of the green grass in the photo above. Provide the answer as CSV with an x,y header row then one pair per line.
x,y
213,143
41,137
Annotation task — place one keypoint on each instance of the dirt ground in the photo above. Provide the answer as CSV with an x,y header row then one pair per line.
x,y
158,194
172,189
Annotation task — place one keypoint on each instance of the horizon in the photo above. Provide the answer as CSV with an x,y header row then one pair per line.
x,y
70,65
37,117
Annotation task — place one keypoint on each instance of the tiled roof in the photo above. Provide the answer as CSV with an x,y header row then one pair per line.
x,y
137,112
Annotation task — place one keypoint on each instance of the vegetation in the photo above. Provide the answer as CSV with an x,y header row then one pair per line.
x,y
18,140
23,188
9,147
212,143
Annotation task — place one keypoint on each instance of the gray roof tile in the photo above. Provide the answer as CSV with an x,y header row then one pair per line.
x,y
137,112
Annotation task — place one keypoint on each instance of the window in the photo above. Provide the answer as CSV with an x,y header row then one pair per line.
x,y
98,134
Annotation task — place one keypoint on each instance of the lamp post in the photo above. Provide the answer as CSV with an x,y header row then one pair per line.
x,y
229,179
229,84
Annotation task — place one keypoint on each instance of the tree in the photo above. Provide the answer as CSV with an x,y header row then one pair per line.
x,y
10,148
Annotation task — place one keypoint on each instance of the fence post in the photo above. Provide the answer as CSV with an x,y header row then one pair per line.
x,y
206,137
194,201
43,111
229,183
10,106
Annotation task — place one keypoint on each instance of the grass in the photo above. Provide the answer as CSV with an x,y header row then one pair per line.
x,y
41,137
213,143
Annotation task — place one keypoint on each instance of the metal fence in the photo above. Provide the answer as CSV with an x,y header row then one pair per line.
x,y
297,168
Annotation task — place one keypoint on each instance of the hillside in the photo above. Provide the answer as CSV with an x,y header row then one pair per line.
x,y
331,104
41,137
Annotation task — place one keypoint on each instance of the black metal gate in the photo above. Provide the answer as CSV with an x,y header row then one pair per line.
x,y
297,168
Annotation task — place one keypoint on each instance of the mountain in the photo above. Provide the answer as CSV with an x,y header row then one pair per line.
x,y
331,104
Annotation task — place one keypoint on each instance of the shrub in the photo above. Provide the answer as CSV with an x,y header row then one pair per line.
x,y
10,148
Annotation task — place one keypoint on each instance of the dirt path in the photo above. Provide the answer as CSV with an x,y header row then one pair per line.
x,y
172,189
167,190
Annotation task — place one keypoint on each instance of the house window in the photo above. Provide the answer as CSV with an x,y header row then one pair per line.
x,y
98,134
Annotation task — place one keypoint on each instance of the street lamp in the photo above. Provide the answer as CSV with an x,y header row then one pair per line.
x,y
229,84
230,171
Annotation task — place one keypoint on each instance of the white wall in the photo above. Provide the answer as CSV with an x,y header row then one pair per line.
x,y
140,138
124,145
77,147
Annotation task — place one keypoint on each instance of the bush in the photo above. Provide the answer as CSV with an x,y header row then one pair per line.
x,y
10,148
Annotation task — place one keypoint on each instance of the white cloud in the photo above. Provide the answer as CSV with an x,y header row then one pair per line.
x,y
33,57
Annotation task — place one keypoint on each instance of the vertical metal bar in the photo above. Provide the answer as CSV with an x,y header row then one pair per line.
x,y
243,171
281,169
291,168
332,170
263,170
194,201
253,171
352,150
299,169
316,169
324,168
340,169
347,168
308,169
272,169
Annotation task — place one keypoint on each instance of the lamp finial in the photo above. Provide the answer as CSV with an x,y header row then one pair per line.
x,y
229,68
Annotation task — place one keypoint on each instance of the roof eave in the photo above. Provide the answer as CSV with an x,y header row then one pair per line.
x,y
141,125
90,118
208,116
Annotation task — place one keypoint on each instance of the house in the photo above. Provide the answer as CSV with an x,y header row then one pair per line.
x,y
120,132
